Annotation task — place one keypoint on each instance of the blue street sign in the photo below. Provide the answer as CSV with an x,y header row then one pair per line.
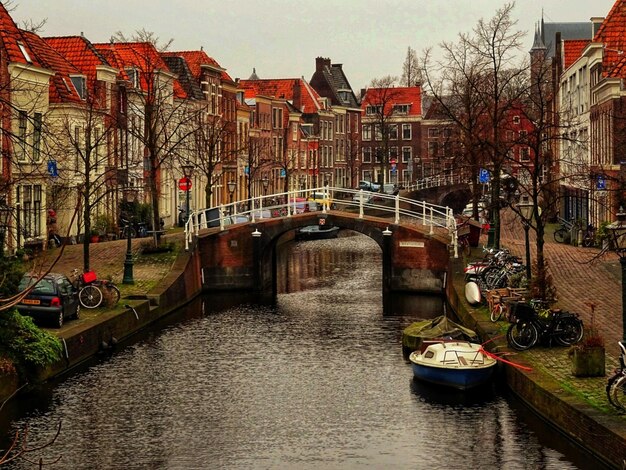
x,y
52,168
483,176
246,170
283,173
601,183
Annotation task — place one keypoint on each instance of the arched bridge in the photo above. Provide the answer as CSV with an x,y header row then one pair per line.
x,y
236,249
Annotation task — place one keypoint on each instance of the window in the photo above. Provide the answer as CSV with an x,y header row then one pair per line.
x,y
447,132
407,153
24,52
294,135
393,154
133,76
433,148
366,175
30,198
433,132
378,134
378,154
524,154
20,147
401,108
516,120
277,118
367,155
406,131
393,131
37,137
367,132
79,84
371,110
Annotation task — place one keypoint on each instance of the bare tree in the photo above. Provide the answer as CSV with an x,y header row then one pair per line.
x,y
411,72
160,117
379,100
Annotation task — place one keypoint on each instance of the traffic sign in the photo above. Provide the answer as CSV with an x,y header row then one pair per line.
x,y
52,168
601,183
184,184
483,175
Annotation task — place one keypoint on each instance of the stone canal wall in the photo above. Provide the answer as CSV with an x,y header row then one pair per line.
x,y
602,434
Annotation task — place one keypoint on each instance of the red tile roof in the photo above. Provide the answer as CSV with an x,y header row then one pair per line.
x,y
572,50
612,33
10,35
395,95
142,55
196,59
295,90
80,52
61,88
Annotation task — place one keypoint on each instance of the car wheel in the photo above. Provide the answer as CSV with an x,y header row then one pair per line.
x,y
59,320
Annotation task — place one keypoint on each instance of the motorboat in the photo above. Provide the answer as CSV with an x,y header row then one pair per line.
x,y
316,232
457,364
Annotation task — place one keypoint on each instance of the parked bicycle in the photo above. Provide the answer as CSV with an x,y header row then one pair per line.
x,y
535,321
92,291
136,229
564,233
616,386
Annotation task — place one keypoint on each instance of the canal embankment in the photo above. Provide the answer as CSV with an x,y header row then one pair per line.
x,y
549,387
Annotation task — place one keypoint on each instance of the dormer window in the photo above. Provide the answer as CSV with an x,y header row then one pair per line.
x,y
79,83
373,110
401,108
133,76
24,52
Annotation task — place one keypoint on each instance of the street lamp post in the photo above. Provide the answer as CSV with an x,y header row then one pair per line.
x,y
265,181
128,278
231,190
187,172
526,211
618,241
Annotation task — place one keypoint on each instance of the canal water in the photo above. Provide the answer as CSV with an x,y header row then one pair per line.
x,y
317,381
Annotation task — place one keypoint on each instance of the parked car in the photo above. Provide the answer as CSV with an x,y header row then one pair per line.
x,y
51,300
321,198
369,186
390,189
365,196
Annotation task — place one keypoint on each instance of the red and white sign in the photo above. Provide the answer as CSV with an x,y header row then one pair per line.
x,y
184,184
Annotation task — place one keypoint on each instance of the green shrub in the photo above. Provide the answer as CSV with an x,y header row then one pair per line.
x,y
28,346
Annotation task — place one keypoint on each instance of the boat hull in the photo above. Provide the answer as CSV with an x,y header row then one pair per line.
x,y
461,379
315,233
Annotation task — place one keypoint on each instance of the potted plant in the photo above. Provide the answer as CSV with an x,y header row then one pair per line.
x,y
588,356
602,235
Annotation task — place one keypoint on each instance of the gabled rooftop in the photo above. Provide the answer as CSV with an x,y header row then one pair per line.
x,y
394,96
572,50
62,88
295,90
18,51
196,60
330,81
80,52
612,35
142,56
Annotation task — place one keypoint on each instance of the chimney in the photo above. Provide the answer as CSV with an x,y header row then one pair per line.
x,y
297,96
596,22
319,64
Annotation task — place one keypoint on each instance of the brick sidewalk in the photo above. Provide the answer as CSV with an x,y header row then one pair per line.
x,y
107,260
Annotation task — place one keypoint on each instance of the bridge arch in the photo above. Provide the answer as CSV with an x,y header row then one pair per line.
x,y
243,256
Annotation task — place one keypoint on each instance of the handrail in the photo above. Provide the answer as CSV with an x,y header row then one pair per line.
x,y
285,204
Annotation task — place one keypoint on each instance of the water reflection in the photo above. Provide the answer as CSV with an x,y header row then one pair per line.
x,y
317,381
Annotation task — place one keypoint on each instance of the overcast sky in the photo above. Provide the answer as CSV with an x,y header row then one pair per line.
x,y
281,38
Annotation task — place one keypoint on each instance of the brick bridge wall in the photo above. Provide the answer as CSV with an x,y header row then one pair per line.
x,y
413,260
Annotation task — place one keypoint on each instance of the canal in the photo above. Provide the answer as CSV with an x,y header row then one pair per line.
x,y
317,381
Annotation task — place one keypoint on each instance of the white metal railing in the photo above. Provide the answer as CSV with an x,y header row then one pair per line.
x,y
437,180
404,210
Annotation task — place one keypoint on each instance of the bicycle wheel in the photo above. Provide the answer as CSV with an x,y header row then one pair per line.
x,y
496,312
617,392
90,296
560,235
568,331
113,293
522,336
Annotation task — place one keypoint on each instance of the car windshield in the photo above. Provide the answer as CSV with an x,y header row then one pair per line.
x,y
45,286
